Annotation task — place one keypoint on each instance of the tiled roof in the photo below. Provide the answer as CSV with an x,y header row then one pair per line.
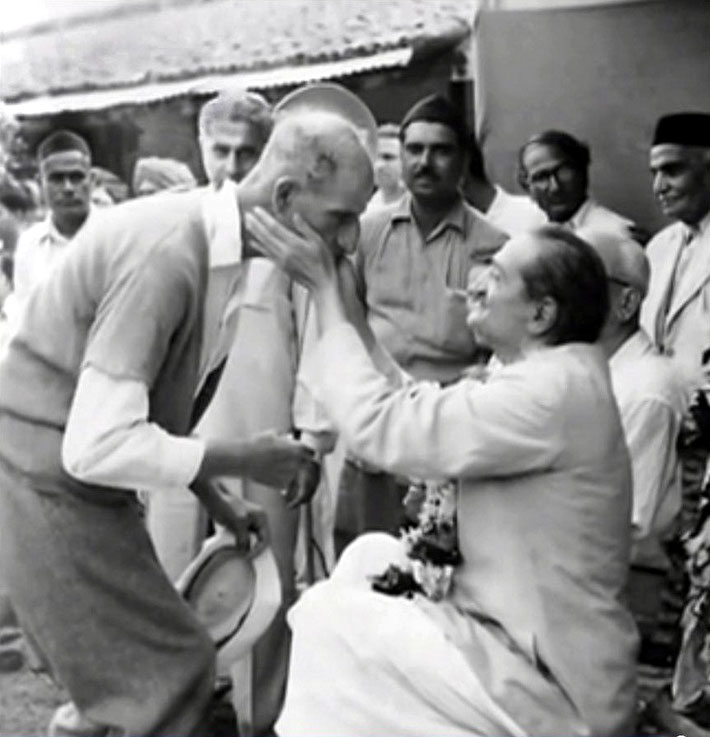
x,y
162,42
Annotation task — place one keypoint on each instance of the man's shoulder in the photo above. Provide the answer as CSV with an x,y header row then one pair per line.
x,y
158,210
645,376
32,235
147,223
602,216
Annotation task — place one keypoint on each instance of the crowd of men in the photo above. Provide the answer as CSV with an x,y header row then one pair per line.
x,y
281,340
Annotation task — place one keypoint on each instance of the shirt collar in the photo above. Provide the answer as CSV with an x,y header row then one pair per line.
x,y
698,230
577,220
53,235
454,218
223,224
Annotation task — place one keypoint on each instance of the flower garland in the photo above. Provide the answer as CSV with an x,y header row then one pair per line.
x,y
431,545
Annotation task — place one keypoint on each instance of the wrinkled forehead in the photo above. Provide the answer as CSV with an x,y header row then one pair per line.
x,y
65,161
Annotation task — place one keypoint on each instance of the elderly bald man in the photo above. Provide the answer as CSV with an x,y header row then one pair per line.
x,y
649,392
95,403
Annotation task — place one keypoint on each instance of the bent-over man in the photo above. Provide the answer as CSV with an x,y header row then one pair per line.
x,y
98,391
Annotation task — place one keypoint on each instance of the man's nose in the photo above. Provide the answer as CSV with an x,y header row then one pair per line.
x,y
553,183
660,183
232,169
425,159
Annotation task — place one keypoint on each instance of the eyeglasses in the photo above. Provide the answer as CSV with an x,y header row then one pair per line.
x,y
563,172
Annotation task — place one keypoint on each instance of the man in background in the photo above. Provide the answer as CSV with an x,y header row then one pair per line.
x,y
553,168
388,168
649,393
652,402
676,313
233,128
64,160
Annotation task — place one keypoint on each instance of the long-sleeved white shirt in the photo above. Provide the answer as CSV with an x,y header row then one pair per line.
x,y
108,438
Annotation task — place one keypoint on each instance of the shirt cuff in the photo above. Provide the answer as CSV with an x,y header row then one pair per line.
x,y
183,457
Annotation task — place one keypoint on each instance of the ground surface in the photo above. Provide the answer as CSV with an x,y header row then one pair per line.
x,y
27,701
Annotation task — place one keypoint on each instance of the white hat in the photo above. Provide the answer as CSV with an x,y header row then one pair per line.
x,y
334,98
234,594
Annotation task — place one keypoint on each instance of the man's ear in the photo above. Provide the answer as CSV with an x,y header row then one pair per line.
x,y
629,304
282,194
544,317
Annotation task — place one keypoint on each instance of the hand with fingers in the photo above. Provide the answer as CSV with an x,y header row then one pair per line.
x,y
301,252
303,486
246,521
275,460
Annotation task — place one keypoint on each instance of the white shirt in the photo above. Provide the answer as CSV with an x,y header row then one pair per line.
x,y
118,446
593,216
38,249
514,214
651,403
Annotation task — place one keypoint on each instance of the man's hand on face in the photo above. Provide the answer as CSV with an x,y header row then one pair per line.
x,y
301,252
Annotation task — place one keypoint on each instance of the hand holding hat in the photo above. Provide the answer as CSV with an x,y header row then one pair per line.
x,y
247,522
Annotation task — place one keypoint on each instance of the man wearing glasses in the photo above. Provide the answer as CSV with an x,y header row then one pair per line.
x,y
553,168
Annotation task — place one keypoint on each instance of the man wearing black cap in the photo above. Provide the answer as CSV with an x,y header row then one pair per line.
x,y
676,313
413,261
64,163
677,309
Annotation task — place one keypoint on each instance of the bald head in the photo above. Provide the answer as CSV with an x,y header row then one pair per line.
x,y
315,165
316,146
624,259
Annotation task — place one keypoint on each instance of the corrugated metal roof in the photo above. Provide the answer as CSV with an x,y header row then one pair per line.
x,y
173,49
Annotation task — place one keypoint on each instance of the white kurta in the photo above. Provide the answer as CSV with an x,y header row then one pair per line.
x,y
651,402
544,529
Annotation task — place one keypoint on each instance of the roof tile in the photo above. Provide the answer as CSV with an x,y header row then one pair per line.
x,y
173,42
